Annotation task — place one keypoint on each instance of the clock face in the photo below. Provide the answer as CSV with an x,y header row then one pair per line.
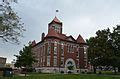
x,y
56,27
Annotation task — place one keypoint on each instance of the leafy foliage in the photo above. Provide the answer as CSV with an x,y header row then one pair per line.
x,y
11,27
104,48
70,67
25,57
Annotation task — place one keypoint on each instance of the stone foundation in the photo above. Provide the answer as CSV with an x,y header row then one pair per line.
x,y
57,70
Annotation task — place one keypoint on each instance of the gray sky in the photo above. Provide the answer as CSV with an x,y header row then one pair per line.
x,y
83,17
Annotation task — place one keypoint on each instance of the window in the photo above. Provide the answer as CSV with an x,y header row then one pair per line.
x,y
62,49
70,63
77,51
48,61
55,61
77,62
53,27
55,43
55,51
85,49
56,28
77,54
62,62
43,60
68,48
43,55
40,61
55,48
48,51
72,49
43,50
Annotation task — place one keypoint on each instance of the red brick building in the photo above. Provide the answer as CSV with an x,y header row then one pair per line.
x,y
57,52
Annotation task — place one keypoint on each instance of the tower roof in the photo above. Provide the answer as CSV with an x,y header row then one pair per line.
x,y
56,20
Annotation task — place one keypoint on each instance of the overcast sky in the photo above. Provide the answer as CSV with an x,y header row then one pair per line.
x,y
83,17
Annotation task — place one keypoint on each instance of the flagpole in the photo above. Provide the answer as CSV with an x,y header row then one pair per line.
x,y
56,12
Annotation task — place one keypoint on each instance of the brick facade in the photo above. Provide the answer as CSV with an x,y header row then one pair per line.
x,y
55,49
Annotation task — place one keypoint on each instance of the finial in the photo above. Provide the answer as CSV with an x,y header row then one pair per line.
x,y
56,12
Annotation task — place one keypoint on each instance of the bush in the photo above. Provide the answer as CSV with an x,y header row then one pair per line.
x,y
83,72
89,72
70,67
99,72
69,72
30,70
61,71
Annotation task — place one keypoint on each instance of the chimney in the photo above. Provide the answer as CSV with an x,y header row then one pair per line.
x,y
43,35
33,43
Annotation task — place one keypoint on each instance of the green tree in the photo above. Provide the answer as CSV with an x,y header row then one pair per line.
x,y
115,46
25,57
98,51
11,27
104,48
92,52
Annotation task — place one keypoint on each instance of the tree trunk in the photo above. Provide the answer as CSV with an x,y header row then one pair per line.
x,y
94,68
118,69
115,70
26,71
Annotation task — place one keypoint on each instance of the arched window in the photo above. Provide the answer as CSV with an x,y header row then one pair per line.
x,y
55,48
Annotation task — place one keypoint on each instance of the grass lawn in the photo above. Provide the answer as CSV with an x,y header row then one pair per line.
x,y
65,76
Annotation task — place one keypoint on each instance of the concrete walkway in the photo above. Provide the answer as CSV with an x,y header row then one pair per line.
x,y
22,75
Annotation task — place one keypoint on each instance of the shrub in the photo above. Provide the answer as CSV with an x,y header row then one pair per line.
x,y
70,67
99,72
69,72
83,72
89,72
61,71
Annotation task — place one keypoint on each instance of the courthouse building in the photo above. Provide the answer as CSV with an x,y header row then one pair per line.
x,y
57,52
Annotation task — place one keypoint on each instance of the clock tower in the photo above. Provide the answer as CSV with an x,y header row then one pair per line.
x,y
56,25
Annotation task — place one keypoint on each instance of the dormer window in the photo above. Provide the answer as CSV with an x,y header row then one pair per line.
x,y
53,27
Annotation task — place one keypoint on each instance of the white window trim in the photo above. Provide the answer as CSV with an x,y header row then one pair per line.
x,y
48,62
55,61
